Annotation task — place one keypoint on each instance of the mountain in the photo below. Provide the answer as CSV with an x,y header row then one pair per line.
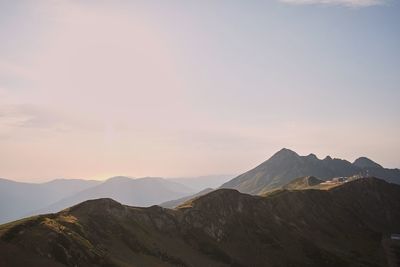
x,y
343,226
201,182
364,162
286,165
176,202
136,192
18,199
370,168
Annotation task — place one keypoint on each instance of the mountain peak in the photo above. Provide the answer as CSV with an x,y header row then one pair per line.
x,y
285,153
312,156
118,179
100,205
364,162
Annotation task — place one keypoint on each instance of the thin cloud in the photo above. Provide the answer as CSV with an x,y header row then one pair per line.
x,y
347,3
9,69
28,116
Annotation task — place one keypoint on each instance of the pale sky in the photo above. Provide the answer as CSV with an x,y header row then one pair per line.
x,y
93,89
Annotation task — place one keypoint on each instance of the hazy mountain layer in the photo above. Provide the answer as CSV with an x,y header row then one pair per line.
x,y
343,226
201,182
176,202
17,199
137,192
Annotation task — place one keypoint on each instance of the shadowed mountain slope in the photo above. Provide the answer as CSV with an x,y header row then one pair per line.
x,y
338,227
286,165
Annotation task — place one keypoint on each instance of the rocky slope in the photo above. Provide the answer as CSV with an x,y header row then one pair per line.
x,y
338,227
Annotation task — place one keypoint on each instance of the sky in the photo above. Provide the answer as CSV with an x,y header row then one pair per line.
x,y
94,89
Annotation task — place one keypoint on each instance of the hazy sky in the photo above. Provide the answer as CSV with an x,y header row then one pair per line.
x,y
93,89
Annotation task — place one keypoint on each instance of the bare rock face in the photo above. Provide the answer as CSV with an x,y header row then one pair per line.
x,y
342,226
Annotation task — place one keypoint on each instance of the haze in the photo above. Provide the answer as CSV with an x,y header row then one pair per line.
x,y
94,89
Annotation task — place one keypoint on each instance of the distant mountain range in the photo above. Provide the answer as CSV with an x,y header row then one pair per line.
x,y
286,165
18,200
201,182
176,202
142,192
341,226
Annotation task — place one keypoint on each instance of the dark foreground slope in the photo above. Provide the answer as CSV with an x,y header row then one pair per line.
x,y
343,226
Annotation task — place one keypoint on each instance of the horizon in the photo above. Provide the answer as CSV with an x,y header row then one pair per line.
x,y
102,179
184,89
38,181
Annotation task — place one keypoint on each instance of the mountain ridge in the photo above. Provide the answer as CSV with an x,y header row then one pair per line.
x,y
21,199
139,192
286,165
342,226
